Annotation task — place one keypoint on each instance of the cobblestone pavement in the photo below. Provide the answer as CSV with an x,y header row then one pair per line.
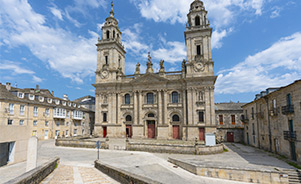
x,y
77,175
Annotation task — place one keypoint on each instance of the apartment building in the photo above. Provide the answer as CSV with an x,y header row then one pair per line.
x,y
273,121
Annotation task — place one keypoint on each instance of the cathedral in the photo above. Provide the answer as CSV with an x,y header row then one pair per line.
x,y
162,105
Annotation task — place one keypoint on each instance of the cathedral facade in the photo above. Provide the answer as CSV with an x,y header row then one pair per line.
x,y
162,105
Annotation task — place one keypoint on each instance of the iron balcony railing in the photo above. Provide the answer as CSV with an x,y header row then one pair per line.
x,y
290,135
244,118
287,109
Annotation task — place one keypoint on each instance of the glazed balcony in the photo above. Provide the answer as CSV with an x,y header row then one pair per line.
x,y
290,135
288,109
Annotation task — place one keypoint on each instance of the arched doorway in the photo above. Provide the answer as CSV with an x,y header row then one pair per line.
x,y
175,127
128,128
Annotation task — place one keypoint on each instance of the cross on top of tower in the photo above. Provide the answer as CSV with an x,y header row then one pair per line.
x,y
112,11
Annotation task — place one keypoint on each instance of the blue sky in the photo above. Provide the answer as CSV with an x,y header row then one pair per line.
x,y
256,43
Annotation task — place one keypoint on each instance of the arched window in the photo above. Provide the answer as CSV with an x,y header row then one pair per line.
x,y
150,115
128,118
175,97
198,50
104,117
108,34
127,99
197,21
150,98
113,34
175,118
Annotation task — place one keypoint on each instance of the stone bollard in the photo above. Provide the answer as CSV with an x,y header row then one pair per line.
x,y
32,153
196,145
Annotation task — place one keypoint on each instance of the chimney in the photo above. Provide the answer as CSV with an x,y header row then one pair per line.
x,y
8,87
37,86
52,92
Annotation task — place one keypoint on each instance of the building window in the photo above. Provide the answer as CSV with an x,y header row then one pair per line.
x,y
21,122
197,21
128,118
201,116
67,132
150,115
67,124
35,111
34,133
114,34
252,113
106,59
105,117
127,99
75,124
46,123
11,108
10,122
233,119
175,97
68,114
198,50
22,109
20,95
108,34
75,132
150,98
57,123
221,119
289,99
31,97
175,118
47,112
35,123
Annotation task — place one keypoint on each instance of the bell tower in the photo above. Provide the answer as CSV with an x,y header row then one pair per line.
x,y
198,42
110,52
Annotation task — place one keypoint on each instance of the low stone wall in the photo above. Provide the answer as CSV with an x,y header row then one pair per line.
x,y
80,143
174,147
122,176
236,174
36,175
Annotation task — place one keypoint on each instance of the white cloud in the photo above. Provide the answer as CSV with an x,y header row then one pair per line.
x,y
221,13
262,70
37,79
171,52
72,56
15,67
275,13
56,12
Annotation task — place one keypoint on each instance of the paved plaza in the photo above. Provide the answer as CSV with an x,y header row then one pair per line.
x,y
77,164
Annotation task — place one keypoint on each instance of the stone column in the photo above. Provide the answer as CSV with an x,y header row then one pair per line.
x,y
192,103
212,106
189,102
118,105
140,107
165,102
135,104
159,105
207,107
209,47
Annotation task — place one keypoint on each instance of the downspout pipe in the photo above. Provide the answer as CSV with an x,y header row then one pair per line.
x,y
269,123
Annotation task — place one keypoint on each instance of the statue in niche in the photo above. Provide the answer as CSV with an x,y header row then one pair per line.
x,y
201,96
162,66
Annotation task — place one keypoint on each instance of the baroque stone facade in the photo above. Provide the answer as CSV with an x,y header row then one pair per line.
x,y
273,121
163,105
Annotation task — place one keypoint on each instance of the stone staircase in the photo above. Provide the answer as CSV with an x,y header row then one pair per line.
x,y
294,176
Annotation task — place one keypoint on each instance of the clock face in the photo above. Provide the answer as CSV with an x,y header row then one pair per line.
x,y
104,74
198,67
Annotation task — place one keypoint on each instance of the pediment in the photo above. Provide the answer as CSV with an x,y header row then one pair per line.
x,y
149,78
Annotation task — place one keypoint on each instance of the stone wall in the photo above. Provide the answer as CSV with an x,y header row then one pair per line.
x,y
178,147
80,143
236,174
122,176
38,174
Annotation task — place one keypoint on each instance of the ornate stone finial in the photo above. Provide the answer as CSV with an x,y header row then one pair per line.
x,y
137,68
183,64
162,66
149,65
112,11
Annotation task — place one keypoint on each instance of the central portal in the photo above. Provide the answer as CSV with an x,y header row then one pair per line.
x,y
151,129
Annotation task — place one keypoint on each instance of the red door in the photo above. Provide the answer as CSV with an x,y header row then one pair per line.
x,y
128,130
230,137
202,134
104,131
151,129
176,131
